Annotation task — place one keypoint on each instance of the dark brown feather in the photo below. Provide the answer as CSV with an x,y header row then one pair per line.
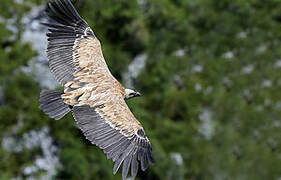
x,y
126,149
62,36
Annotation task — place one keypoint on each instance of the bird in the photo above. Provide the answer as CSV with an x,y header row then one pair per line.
x,y
96,99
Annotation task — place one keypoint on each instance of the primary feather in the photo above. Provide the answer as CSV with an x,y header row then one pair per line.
x,y
94,95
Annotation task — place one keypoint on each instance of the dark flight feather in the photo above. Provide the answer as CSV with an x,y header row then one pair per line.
x,y
126,150
68,28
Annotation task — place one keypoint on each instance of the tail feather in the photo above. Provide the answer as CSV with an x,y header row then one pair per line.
x,y
52,104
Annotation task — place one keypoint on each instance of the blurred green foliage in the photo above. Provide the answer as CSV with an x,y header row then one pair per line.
x,y
211,88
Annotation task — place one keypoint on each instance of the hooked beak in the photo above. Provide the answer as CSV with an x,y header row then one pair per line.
x,y
138,94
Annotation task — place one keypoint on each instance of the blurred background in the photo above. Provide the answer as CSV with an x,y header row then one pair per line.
x,y
209,72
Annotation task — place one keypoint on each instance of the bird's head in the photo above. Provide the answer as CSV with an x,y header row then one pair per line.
x,y
131,93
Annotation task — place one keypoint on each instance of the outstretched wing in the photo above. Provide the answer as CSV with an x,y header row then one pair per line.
x,y
113,128
72,45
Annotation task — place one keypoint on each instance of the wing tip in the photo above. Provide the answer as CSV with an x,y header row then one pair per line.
x,y
62,10
142,157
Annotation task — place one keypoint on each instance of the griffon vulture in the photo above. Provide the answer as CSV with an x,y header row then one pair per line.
x,y
95,97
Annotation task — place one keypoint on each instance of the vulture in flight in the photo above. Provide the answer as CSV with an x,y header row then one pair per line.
x,y
95,97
